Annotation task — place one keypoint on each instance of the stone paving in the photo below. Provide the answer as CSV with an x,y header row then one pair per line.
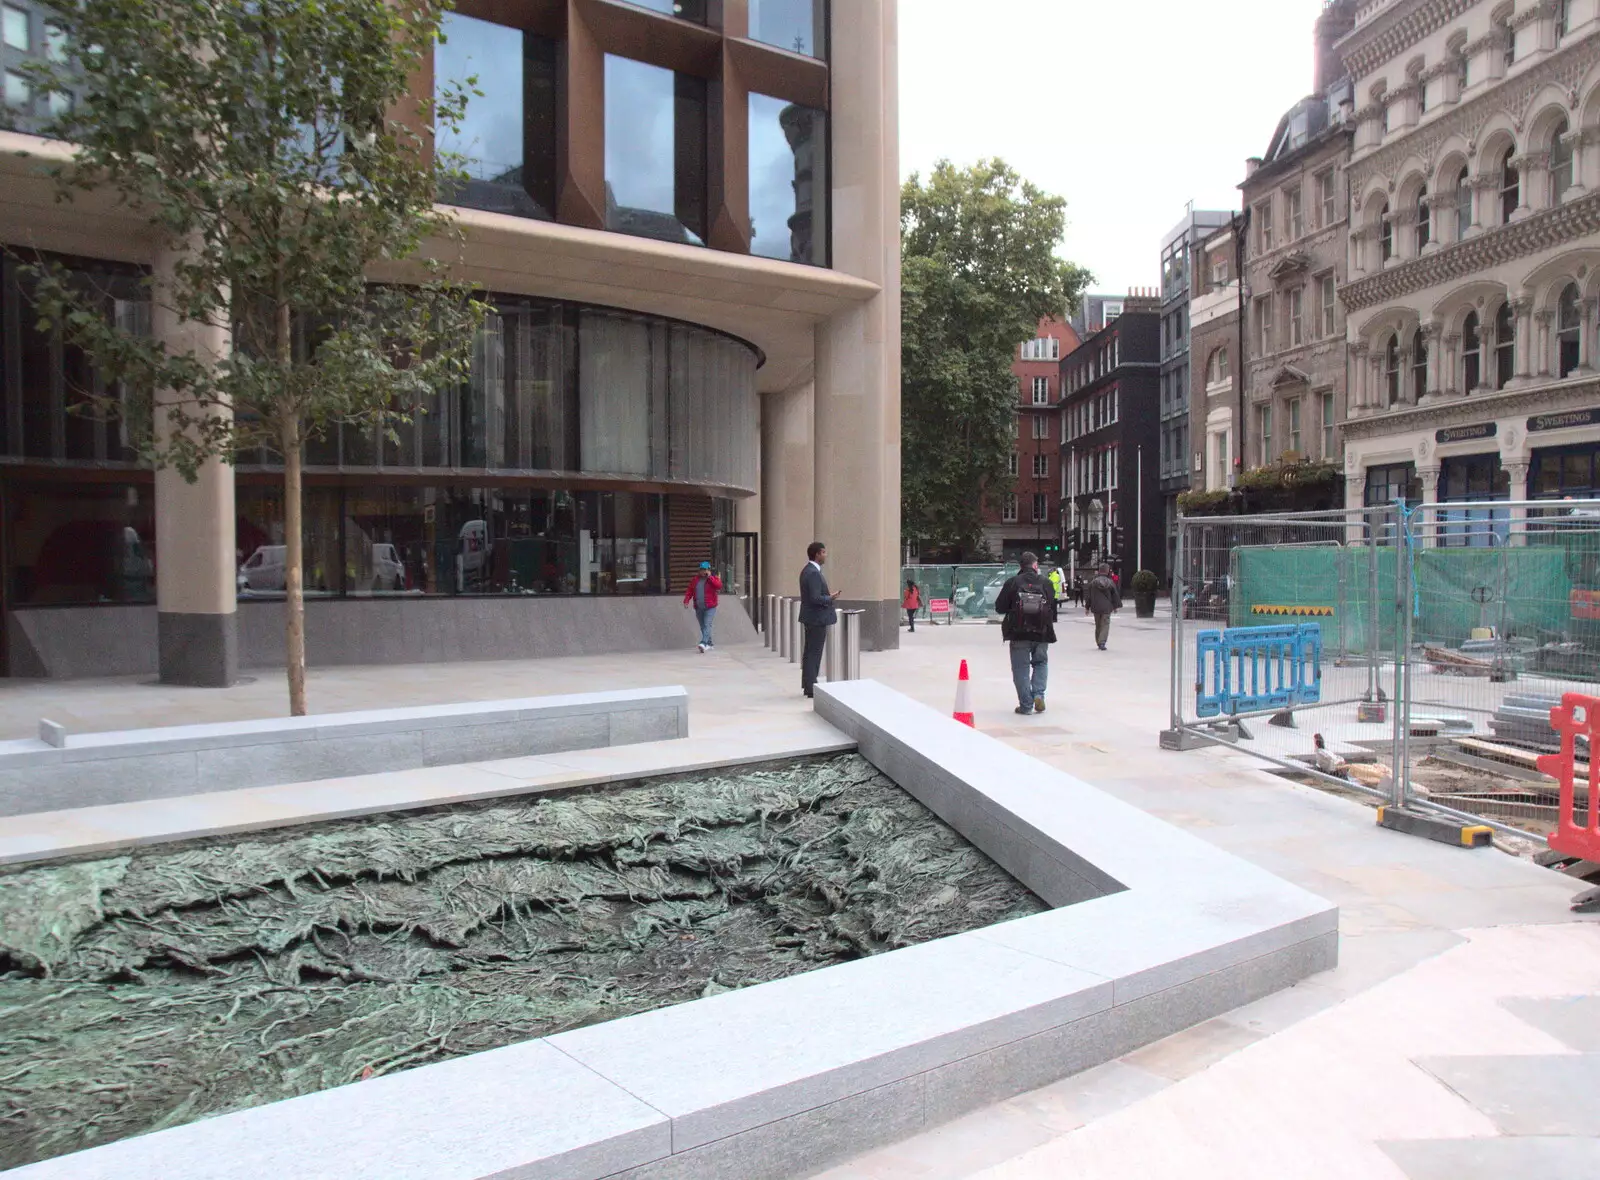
x,y
1451,960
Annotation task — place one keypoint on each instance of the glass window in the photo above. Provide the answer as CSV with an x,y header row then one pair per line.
x,y
1419,365
1325,196
80,542
1297,299
1391,369
260,548
1264,238
1265,454
621,381
1569,324
655,152
1505,346
1041,391
1325,401
507,140
1424,219
1385,235
1560,162
1041,508
690,10
1297,222
1294,427
1510,187
17,90
1397,481
1264,322
1011,467
1463,204
1471,353
799,26
788,181
16,28
1329,300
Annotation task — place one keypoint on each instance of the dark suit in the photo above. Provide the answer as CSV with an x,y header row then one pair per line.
x,y
817,614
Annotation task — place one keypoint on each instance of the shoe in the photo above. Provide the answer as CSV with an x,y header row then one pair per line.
x,y
1038,704
1025,710
702,648
1102,647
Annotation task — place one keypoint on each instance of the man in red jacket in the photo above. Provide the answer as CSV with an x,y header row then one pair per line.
x,y
702,595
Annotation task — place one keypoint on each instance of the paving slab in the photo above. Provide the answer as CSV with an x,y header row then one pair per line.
x,y
1573,1020
1557,1095
1532,1158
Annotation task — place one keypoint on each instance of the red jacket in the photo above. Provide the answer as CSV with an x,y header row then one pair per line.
x,y
713,584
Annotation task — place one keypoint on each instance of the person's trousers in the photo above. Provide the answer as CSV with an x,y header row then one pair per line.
x,y
706,615
911,616
811,655
1030,670
1102,628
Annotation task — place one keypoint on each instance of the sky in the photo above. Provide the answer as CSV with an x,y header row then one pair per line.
x,y
1129,110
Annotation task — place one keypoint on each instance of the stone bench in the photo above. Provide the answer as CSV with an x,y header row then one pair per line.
x,y
60,770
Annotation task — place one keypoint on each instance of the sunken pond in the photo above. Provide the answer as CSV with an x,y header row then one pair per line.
x,y
145,990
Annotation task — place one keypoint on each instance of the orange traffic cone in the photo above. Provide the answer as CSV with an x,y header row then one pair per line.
x,y
963,712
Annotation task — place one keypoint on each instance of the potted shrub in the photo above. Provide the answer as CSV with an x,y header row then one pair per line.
x,y
1145,585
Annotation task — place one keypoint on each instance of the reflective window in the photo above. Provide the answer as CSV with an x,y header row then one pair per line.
x,y
1505,346
692,10
1569,327
655,152
1471,353
260,548
799,26
80,542
507,139
622,394
788,181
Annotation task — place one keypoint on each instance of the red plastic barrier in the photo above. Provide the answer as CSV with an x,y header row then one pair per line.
x,y
1576,714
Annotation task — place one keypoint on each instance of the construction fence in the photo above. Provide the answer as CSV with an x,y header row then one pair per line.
x,y
970,590
1412,652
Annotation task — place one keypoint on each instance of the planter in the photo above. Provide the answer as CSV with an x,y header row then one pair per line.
x,y
1144,604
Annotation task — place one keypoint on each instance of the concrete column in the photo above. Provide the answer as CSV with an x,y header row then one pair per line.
x,y
787,503
1524,327
1429,476
1358,369
1586,326
1430,335
857,412
1355,491
1540,363
1517,472
1450,364
196,564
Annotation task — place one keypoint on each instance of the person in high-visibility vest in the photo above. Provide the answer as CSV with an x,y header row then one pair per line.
x,y
1058,581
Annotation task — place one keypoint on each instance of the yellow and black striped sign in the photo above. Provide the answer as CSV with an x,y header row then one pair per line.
x,y
1305,611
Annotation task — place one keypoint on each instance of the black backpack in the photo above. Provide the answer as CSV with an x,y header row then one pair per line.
x,y
1031,615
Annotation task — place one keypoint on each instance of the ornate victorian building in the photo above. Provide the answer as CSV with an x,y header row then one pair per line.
x,y
1294,201
1474,259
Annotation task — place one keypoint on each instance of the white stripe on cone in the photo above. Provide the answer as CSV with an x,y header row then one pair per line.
x,y
963,710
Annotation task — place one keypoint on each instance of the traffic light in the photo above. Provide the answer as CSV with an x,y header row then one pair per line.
x,y
1116,540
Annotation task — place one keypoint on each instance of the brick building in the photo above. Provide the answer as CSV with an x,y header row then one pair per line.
x,y
1024,517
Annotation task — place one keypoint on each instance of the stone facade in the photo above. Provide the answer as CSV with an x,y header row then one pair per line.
x,y
1214,360
1474,260
1294,264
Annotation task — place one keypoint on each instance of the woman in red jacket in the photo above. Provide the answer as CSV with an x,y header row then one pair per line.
x,y
911,603
702,595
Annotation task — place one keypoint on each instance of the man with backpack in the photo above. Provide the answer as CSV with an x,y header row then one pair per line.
x,y
1028,604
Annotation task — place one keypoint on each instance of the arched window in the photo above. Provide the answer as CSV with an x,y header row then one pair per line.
x,y
1463,203
1424,220
1419,365
1391,369
1569,324
1505,346
1217,368
1385,235
1471,353
1510,187
1563,17
1560,163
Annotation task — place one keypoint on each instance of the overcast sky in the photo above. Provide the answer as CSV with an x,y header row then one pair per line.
x,y
1128,109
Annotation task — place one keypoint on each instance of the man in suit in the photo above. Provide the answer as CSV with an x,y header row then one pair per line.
x,y
817,613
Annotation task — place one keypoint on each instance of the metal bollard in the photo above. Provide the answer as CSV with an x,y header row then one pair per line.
x,y
793,628
769,608
849,644
780,628
832,665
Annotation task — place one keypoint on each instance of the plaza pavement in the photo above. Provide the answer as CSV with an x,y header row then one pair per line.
x,y
1455,1039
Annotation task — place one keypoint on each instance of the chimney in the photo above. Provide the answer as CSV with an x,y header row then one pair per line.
x,y
1337,19
1251,165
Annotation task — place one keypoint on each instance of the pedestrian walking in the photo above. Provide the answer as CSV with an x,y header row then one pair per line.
x,y
911,603
702,594
1027,603
1100,598
1058,583
817,614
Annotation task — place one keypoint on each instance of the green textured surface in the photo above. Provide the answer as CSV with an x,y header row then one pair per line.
x,y
143,991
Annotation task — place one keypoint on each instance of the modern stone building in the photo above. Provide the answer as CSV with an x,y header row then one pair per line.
x,y
1023,517
1110,438
686,215
1294,198
1474,251
1215,346
1179,251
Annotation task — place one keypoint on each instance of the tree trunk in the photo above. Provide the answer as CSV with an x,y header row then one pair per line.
x,y
294,604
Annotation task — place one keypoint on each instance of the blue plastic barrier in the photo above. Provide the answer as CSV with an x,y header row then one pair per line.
x,y
1254,669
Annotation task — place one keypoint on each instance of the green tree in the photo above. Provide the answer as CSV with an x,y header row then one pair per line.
x,y
278,155
978,271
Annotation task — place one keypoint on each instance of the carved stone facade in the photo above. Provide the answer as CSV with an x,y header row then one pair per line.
x,y
1474,249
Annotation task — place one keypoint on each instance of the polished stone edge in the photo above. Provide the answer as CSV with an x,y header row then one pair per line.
x,y
105,768
783,1078
200,651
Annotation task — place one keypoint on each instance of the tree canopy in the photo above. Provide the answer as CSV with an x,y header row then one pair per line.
x,y
979,269
277,153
